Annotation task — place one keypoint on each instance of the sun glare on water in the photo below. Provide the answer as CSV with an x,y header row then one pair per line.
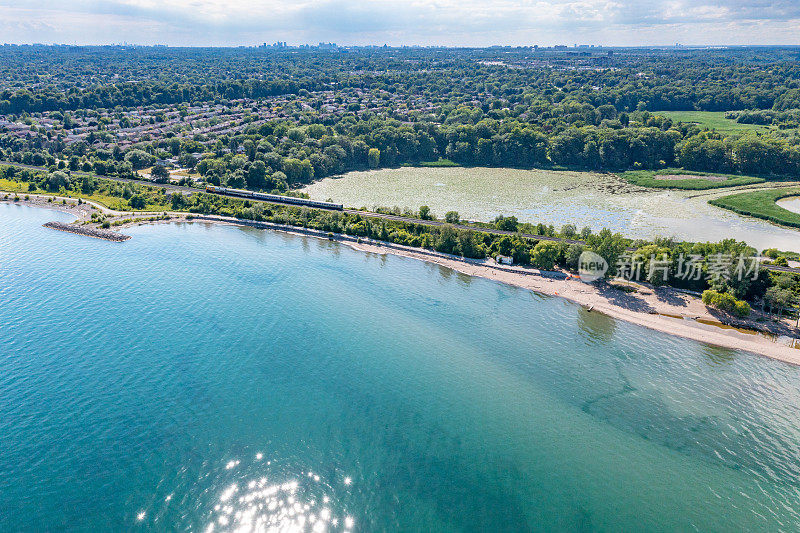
x,y
263,506
273,503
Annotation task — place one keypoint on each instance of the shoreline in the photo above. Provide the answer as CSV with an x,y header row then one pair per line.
x,y
597,299
666,310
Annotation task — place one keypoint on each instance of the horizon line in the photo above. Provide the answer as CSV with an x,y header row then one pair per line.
x,y
401,46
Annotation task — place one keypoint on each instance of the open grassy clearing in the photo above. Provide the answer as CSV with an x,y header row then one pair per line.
x,y
7,185
713,120
439,163
761,204
432,164
672,178
111,202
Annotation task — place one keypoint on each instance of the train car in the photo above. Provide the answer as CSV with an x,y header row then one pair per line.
x,y
291,200
230,192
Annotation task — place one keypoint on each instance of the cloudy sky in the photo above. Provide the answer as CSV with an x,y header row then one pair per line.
x,y
399,22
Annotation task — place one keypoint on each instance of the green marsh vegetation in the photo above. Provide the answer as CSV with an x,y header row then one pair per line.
x,y
678,178
762,204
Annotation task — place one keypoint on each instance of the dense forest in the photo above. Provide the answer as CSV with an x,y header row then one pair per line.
x,y
268,119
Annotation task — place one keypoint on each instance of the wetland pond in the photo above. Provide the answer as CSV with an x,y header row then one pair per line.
x,y
790,204
555,197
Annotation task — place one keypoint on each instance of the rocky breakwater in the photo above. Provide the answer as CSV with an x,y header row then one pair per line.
x,y
89,231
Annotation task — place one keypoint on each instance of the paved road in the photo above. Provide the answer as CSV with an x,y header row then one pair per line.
x,y
367,214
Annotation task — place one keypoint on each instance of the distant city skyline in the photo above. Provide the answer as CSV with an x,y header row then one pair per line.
x,y
397,23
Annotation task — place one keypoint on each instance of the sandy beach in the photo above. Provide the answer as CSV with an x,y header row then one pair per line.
x,y
662,309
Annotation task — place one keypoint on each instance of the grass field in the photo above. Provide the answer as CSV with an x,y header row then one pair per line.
x,y
714,120
440,163
761,204
647,178
12,186
112,202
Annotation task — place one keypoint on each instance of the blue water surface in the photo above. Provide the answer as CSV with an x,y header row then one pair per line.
x,y
203,376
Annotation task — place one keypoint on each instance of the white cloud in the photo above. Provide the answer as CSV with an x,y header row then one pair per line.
x,y
448,22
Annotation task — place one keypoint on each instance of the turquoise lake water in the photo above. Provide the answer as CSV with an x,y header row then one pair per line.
x,y
203,375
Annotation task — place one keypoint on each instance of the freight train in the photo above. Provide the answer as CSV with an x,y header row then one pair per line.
x,y
274,198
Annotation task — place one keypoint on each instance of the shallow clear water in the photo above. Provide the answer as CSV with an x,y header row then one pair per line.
x,y
204,374
558,198
792,204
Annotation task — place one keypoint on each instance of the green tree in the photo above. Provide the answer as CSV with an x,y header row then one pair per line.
x,y
374,158
506,223
137,201
572,256
279,181
138,159
469,245
451,217
447,241
778,297
296,134
177,200
725,301
159,174
504,245
256,175
298,171
236,179
57,180
89,184
656,263
609,246
545,255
